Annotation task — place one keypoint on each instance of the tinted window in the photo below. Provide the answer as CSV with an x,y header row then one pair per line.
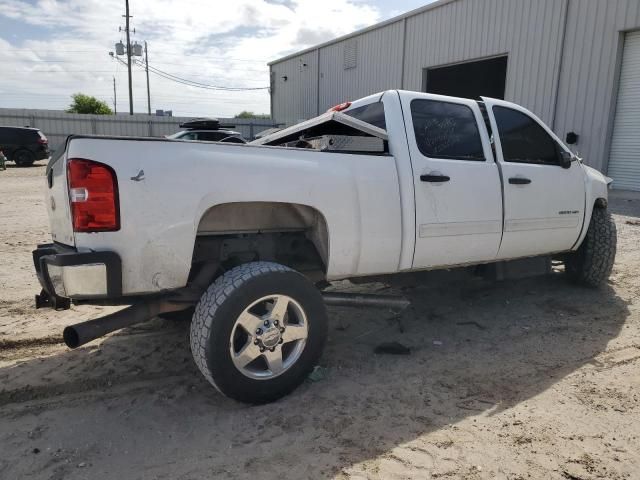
x,y
523,139
212,136
372,113
446,130
12,135
30,136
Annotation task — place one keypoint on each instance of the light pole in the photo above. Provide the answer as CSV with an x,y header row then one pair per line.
x,y
126,28
115,99
136,51
122,49
146,61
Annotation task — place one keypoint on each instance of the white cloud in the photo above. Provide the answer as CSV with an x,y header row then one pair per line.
x,y
53,48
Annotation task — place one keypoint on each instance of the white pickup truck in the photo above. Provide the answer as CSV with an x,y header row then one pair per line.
x,y
250,234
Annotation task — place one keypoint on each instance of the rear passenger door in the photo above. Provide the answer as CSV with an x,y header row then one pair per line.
x,y
458,198
544,202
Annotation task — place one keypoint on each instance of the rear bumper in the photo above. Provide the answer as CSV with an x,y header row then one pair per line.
x,y
42,153
65,272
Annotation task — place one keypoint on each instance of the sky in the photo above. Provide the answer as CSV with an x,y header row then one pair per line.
x,y
50,49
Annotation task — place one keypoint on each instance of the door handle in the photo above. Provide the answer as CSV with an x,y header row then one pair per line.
x,y
519,181
434,178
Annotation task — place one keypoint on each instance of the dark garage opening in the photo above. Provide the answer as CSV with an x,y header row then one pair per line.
x,y
469,80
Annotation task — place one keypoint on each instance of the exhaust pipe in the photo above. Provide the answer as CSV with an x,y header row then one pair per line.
x,y
338,299
80,333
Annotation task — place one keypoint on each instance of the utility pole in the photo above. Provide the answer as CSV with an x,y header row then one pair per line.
x,y
146,60
130,51
115,99
126,29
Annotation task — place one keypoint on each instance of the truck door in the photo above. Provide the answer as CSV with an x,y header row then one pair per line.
x,y
458,198
543,200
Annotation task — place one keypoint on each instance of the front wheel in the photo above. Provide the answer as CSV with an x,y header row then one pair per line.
x,y
258,331
592,263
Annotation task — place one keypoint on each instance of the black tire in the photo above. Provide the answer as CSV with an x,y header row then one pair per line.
x,y
592,263
216,315
24,158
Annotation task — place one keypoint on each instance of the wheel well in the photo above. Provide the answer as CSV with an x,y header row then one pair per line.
x,y
291,234
600,203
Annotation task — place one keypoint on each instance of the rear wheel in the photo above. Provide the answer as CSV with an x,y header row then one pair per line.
x,y
24,158
258,331
592,263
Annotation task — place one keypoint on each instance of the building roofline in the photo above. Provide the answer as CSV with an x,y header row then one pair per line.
x,y
411,13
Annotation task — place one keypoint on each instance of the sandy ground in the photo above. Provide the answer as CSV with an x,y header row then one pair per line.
x,y
525,379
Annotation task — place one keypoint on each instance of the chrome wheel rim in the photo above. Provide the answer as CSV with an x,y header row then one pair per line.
x,y
268,337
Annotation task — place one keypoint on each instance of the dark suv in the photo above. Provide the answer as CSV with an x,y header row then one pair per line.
x,y
23,145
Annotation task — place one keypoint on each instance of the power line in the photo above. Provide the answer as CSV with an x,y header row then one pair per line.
x,y
208,56
192,83
197,75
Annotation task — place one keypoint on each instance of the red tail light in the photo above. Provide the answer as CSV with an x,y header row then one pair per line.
x,y
43,141
93,193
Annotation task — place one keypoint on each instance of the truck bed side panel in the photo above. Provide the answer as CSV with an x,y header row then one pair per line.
x,y
179,181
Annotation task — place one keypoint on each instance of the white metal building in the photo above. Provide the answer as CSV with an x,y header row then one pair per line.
x,y
575,63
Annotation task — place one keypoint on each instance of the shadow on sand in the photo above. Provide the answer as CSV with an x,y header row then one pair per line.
x,y
137,399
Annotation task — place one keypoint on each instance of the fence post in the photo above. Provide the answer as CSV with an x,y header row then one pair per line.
x,y
94,126
150,128
251,131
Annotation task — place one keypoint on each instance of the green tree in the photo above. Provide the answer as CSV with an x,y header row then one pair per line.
x,y
87,104
245,114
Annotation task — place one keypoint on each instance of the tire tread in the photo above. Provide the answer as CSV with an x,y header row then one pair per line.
x,y
593,262
213,298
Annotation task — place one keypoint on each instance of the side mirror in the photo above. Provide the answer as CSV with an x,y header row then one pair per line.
x,y
566,159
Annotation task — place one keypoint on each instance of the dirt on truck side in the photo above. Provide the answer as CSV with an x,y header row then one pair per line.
x,y
533,378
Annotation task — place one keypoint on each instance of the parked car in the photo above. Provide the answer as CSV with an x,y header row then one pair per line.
x,y
390,184
23,145
207,130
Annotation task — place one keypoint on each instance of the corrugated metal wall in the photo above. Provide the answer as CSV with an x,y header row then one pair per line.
x,y
624,157
588,83
530,32
295,88
378,66
572,89
57,125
